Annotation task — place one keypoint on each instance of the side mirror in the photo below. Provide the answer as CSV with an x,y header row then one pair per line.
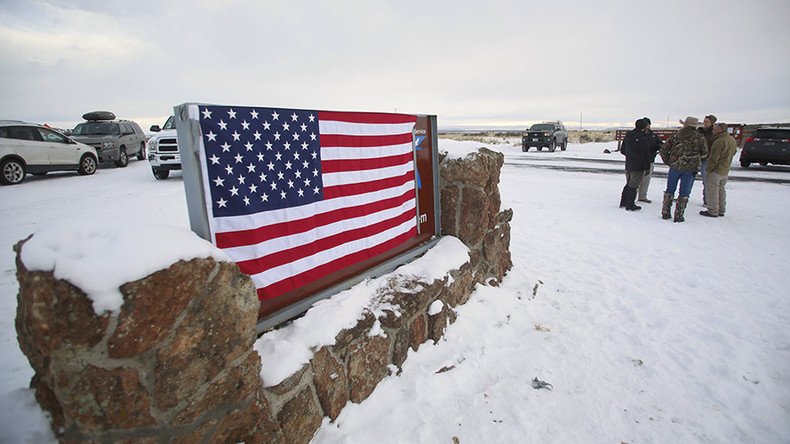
x,y
155,128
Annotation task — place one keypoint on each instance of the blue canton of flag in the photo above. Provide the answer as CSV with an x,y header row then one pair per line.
x,y
260,159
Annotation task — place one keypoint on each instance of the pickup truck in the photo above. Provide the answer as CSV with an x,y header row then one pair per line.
x,y
548,134
163,150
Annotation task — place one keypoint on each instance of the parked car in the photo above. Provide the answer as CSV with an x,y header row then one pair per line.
x,y
114,140
548,134
163,149
30,148
767,145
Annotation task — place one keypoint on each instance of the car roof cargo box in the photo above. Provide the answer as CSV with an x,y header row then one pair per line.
x,y
99,115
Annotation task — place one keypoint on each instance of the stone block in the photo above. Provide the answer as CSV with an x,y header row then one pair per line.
x,y
331,385
367,365
300,417
417,332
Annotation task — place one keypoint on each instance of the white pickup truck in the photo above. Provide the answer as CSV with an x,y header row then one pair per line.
x,y
163,150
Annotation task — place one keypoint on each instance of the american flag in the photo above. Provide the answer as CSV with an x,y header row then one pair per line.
x,y
295,195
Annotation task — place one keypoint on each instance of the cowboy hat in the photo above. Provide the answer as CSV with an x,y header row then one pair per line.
x,y
690,121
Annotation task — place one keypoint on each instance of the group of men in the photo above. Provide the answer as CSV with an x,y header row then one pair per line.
x,y
708,149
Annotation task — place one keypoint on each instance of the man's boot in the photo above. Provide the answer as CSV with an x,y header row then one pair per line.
x,y
666,206
623,197
630,198
680,208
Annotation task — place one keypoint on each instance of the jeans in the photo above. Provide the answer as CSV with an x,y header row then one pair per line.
x,y
686,179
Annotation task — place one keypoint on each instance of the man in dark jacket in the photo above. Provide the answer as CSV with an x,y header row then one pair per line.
x,y
655,146
707,132
636,148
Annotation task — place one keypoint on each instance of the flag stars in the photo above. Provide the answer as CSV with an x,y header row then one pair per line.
x,y
242,179
270,165
214,159
249,146
245,125
296,136
257,135
246,201
280,175
307,182
312,136
253,188
303,127
254,114
263,177
234,191
282,194
232,114
290,183
296,155
238,158
298,174
222,202
225,147
211,136
267,125
305,164
206,113
273,185
264,197
229,169
288,165
277,136
315,190
275,116
222,124
220,182
315,173
260,157
278,155
286,126
251,168
294,117
314,154
287,145
268,146
305,145
312,117
236,136
301,192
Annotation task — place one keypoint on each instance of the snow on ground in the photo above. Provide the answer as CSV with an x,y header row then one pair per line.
x,y
648,331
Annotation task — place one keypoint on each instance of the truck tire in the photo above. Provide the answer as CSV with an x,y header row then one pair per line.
x,y
161,174
564,145
553,145
141,153
123,158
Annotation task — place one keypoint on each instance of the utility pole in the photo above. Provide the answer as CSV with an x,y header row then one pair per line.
x,y
580,120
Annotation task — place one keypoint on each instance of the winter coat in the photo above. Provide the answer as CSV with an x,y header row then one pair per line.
x,y
685,150
655,145
722,150
636,147
707,133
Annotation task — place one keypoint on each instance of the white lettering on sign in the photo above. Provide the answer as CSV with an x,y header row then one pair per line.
x,y
423,218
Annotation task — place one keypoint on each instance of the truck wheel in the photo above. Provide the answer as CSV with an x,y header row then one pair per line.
x,y
141,153
564,145
745,163
161,174
553,145
524,148
123,158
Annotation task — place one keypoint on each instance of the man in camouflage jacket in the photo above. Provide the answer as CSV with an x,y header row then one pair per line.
x,y
683,153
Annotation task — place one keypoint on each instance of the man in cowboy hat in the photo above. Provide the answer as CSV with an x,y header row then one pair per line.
x,y
683,153
720,157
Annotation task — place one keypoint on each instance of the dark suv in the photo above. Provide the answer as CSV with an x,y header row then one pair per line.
x,y
114,140
767,145
548,134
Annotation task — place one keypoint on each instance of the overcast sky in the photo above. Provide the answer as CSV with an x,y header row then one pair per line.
x,y
500,63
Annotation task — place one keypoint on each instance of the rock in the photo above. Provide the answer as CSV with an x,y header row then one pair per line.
x,y
330,381
367,365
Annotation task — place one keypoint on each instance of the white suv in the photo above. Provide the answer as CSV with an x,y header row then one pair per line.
x,y
163,150
30,148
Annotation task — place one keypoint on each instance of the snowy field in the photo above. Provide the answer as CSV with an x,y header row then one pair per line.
x,y
647,330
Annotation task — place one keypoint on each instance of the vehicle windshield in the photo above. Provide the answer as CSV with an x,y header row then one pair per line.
x,y
170,124
97,129
772,134
542,127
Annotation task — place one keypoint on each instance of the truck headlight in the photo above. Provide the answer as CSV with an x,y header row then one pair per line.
x,y
152,145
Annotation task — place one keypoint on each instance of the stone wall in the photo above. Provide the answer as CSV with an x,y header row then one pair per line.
x,y
176,364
